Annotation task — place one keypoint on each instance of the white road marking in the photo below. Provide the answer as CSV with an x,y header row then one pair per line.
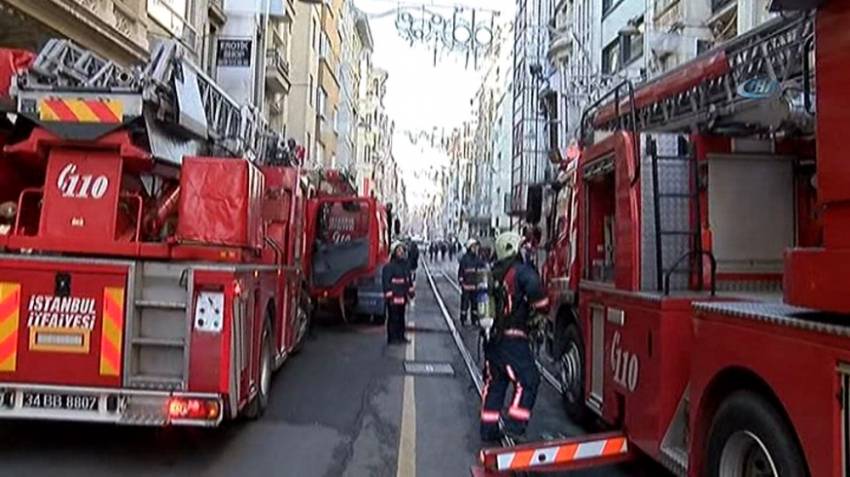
x,y
407,441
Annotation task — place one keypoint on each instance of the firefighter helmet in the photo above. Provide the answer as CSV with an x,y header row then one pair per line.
x,y
471,242
507,245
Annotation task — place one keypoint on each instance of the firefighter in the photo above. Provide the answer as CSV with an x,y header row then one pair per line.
x,y
467,275
413,259
398,290
517,297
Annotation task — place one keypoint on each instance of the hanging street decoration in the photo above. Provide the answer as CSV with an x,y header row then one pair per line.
x,y
448,30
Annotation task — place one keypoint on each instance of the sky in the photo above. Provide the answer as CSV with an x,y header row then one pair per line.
x,y
420,95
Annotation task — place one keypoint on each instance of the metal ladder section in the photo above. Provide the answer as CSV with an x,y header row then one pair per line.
x,y
157,347
775,51
671,229
171,86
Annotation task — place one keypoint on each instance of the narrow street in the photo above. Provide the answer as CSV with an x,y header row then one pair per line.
x,y
343,407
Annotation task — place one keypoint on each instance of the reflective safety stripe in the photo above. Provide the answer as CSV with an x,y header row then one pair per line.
x,y
490,416
388,294
519,413
81,111
398,301
112,331
541,303
10,305
399,281
547,455
515,333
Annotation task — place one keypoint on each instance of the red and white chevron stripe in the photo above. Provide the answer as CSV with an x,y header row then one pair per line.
x,y
555,454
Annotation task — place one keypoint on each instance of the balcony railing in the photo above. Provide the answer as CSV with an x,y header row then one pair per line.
x,y
277,67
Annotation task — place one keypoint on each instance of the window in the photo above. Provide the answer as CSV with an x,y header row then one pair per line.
x,y
172,16
314,42
310,89
611,58
309,147
608,5
321,104
717,5
210,51
633,43
335,120
551,102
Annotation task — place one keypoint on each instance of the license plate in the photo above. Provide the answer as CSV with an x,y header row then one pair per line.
x,y
68,402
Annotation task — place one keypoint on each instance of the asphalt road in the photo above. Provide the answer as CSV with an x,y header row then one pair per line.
x,y
343,407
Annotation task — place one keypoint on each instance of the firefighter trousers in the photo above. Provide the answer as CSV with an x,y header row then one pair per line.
x,y
468,307
508,361
395,323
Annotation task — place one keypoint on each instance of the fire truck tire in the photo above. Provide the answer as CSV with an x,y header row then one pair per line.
x,y
305,319
257,407
571,375
748,437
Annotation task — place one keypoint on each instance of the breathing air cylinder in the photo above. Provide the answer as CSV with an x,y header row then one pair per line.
x,y
484,301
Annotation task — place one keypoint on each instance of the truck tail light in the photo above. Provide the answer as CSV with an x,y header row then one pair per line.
x,y
194,409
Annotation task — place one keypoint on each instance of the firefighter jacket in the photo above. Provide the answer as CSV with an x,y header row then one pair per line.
x,y
468,271
521,294
398,288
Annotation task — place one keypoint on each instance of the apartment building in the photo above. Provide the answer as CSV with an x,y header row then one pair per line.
x,y
328,83
116,29
304,75
355,66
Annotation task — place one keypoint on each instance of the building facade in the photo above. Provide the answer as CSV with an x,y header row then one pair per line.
x,y
355,65
567,53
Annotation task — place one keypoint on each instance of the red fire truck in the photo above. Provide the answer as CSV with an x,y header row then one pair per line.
x,y
350,244
695,264
153,237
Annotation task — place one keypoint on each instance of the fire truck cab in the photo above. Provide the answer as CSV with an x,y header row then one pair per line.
x,y
350,241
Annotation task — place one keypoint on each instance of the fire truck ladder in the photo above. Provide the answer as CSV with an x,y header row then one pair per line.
x,y
171,90
677,227
726,88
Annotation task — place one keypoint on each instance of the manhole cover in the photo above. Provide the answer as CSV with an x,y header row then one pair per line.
x,y
428,368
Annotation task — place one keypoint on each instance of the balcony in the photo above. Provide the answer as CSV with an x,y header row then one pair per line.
x,y
216,12
277,67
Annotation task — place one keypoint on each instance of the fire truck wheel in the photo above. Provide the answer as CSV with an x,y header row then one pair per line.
x,y
304,318
571,375
749,438
257,407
